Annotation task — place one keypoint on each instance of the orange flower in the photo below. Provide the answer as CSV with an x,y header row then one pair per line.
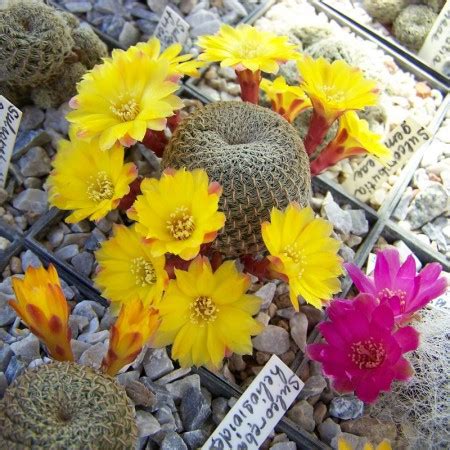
x,y
41,304
134,327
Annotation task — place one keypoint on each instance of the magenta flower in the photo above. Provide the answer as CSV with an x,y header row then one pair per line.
x,y
363,353
398,285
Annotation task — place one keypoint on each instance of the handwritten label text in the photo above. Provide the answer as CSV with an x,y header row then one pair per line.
x,y
171,28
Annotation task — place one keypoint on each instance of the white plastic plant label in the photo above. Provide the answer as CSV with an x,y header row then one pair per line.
x,y
258,410
171,28
436,48
9,124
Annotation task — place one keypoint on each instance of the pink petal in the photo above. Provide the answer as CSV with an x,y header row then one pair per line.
x,y
331,334
403,370
408,268
365,304
342,385
407,338
386,268
430,273
383,317
367,389
427,293
315,351
362,282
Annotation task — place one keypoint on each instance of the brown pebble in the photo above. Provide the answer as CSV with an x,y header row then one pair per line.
x,y
313,400
272,310
283,301
422,89
262,358
16,265
139,394
371,428
320,412
314,316
288,357
303,372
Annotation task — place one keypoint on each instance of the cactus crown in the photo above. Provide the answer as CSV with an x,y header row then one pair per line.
x,y
66,405
257,157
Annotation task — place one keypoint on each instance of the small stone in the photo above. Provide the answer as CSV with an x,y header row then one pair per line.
x,y
427,205
173,441
314,386
210,27
93,356
27,139
434,232
422,89
266,293
4,243
273,339
78,348
320,411
194,409
29,259
15,368
200,18
405,251
32,182
157,6
157,363
140,394
346,407
402,207
27,349
371,428
32,117
235,5
78,7
220,409
302,413
178,388
129,35
5,355
7,314
83,263
147,424
360,225
88,308
284,446
3,196
186,6
174,375
31,200
35,163
299,329
328,430
127,378
194,439
340,218
94,338
67,252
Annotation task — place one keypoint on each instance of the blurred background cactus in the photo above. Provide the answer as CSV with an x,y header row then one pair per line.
x,y
44,52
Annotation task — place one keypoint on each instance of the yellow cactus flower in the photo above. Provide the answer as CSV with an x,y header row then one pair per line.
x,y
352,138
178,213
249,51
288,101
303,254
134,327
127,269
205,314
333,89
87,180
179,65
119,100
41,305
343,444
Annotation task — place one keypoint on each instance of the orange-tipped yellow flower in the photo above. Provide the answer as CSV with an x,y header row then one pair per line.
x,y
134,327
119,100
179,65
288,101
87,180
343,444
41,304
303,254
249,51
352,138
333,89
178,213
204,314
127,269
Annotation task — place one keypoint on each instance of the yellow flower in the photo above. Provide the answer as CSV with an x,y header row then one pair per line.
x,y
352,138
288,101
120,99
204,314
343,444
134,327
303,253
41,304
245,47
178,213
179,65
127,269
87,180
335,87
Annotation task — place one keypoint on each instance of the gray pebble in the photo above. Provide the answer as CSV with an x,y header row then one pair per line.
x,y
314,386
5,355
194,439
31,200
146,423
83,263
27,349
78,7
7,314
67,252
15,368
93,356
173,441
178,388
302,413
272,339
129,35
157,363
346,407
3,384
194,409
32,117
29,259
328,430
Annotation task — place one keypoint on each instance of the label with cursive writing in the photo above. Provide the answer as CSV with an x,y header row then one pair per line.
x,y
171,28
436,48
9,124
258,410
369,175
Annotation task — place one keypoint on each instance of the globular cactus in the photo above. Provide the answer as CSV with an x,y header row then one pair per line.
x,y
257,157
384,11
64,405
40,46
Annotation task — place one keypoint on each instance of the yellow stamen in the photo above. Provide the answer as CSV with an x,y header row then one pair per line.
x,y
126,111
292,251
100,187
143,271
181,224
367,354
203,310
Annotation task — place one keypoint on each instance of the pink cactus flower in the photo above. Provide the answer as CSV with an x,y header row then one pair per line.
x,y
363,351
399,285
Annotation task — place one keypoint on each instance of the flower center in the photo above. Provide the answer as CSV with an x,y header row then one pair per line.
x,y
249,50
367,354
332,95
143,271
387,294
100,187
181,224
125,110
203,310
293,252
